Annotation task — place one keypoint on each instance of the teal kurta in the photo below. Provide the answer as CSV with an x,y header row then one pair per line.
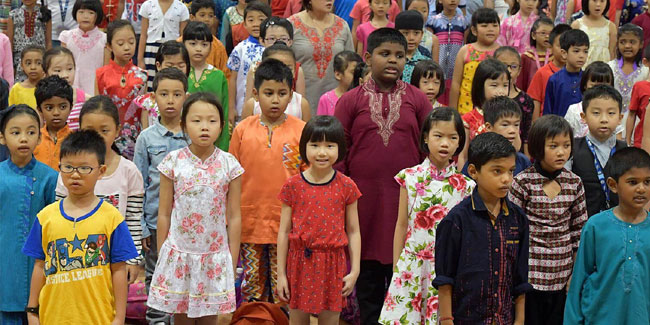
x,y
212,80
611,274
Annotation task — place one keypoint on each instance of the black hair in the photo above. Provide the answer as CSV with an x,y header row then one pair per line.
x,y
84,141
597,71
636,31
558,31
174,48
545,127
101,104
540,21
428,69
46,13
573,37
488,69
442,114
16,110
94,5
489,146
500,107
343,58
276,21
171,74
278,47
205,97
31,48
197,31
504,49
604,92
257,6
409,20
385,35
585,7
646,52
52,86
114,26
323,128
55,51
625,159
360,71
272,69
200,4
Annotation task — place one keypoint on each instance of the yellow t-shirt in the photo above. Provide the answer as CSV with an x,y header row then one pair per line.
x,y
21,95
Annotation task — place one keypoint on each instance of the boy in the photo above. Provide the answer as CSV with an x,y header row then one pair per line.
x,y
411,26
563,88
602,111
153,144
610,277
482,244
80,245
382,119
245,55
266,145
537,87
30,71
638,102
54,101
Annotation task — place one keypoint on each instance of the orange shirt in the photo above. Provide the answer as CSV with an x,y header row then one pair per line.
x,y
48,151
217,57
269,157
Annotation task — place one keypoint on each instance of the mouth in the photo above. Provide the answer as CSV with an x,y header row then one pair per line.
x,y
640,199
504,188
170,110
204,137
23,149
75,184
56,121
560,161
443,153
603,130
390,70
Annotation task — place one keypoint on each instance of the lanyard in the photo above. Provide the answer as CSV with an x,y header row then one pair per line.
x,y
537,58
64,10
599,169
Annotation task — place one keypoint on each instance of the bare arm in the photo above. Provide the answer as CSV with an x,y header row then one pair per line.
x,y
570,8
629,127
355,24
233,211
283,248
37,283
435,49
536,107
143,41
454,94
305,110
120,8
300,83
612,37
520,309
144,119
645,143
444,298
48,35
164,208
248,108
181,27
10,32
401,226
250,78
232,92
96,87
120,290
354,246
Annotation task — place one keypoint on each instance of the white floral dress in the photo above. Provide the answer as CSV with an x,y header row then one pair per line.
x,y
194,274
411,298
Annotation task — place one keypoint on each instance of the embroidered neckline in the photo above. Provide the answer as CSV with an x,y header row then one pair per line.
x,y
375,104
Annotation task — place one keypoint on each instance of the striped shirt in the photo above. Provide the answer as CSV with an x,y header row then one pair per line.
x,y
555,225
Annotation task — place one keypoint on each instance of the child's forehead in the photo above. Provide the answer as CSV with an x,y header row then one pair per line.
x,y
508,118
207,10
55,100
274,84
503,162
277,29
578,47
80,158
389,46
636,172
600,103
33,55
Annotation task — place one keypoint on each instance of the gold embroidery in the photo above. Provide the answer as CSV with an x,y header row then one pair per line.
x,y
375,103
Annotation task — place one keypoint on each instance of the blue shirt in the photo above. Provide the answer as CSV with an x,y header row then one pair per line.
x,y
152,146
410,63
23,193
521,162
485,263
562,90
342,8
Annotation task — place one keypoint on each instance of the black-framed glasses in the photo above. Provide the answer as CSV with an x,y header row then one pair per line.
x,y
83,170
273,39
512,66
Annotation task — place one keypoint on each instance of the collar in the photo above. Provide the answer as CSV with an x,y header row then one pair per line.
x,y
620,64
439,174
609,143
208,161
86,216
543,172
88,33
572,74
253,40
29,167
479,205
372,85
163,131
59,134
116,66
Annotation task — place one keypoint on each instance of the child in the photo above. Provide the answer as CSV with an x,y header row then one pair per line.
x,y
31,61
22,179
153,144
361,75
28,26
344,64
602,113
638,102
483,236
563,87
131,13
553,198
378,19
601,31
204,77
232,26
411,24
122,82
319,218
264,143
244,56
429,78
54,100
87,43
381,146
429,41
91,240
361,11
515,29
613,245
427,192
162,20
120,183
485,26
539,53
198,247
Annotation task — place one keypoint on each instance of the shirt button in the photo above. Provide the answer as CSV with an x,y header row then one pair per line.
x,y
630,240
630,226
629,257
34,179
496,250
496,272
495,295
32,192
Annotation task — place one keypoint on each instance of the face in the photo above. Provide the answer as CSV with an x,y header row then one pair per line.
x,y
486,33
449,5
322,154
633,187
603,116
387,62
591,84
169,97
629,45
62,66
253,21
172,61
32,64
541,36
442,141
55,112
198,51
276,33
413,38
21,136
512,62
496,87
557,51
506,126
79,183
528,6
29,3
123,45
495,177
430,87
380,7
203,124
285,58
204,15
86,19
322,5
556,152
273,97
419,6
576,57
102,124
347,76
597,7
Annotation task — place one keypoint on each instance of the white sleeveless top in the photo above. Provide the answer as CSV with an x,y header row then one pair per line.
x,y
294,108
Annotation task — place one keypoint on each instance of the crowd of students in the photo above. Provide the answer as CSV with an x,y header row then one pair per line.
x,y
463,170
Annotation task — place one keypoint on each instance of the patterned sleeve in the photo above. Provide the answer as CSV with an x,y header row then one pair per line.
x,y
64,37
235,168
578,216
134,212
145,9
166,166
518,194
527,107
286,193
234,61
400,178
353,193
185,14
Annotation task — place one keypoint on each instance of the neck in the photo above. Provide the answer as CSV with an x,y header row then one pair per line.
x,y
379,19
523,14
546,167
30,7
272,122
449,12
410,54
630,214
52,131
628,61
241,5
121,62
599,139
317,15
171,123
557,62
482,45
86,30
434,102
110,156
341,89
593,17
540,48
199,66
83,201
384,86
320,175
492,203
571,69
440,165
203,152
28,83
21,162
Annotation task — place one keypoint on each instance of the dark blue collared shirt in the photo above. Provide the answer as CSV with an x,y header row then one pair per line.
x,y
485,262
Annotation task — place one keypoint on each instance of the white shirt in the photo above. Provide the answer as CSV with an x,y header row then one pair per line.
x,y
59,23
167,24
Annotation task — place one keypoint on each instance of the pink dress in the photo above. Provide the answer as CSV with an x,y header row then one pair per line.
x,y
88,51
327,103
516,33
73,118
364,30
7,67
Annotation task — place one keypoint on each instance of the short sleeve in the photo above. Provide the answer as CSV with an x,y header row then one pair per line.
x,y
135,180
64,37
122,246
234,168
535,87
518,194
352,191
145,9
61,190
34,244
636,97
356,11
286,193
400,178
185,14
234,61
166,166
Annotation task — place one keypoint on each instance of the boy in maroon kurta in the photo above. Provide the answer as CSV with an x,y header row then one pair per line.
x,y
382,120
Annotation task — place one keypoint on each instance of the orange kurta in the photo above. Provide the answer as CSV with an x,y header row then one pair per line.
x,y
217,57
47,151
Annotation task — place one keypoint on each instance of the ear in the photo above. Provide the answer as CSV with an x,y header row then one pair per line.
x,y
473,30
472,171
583,115
2,140
102,170
158,66
488,126
337,76
645,62
620,117
564,54
192,17
613,186
367,55
153,96
256,95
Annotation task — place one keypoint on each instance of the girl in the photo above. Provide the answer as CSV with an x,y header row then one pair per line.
x,y
31,62
162,20
553,198
429,41
87,43
197,280
232,26
311,247
627,66
428,77
485,26
378,19
344,64
122,82
539,52
31,24
26,180
596,73
361,75
515,30
122,184
427,192
601,31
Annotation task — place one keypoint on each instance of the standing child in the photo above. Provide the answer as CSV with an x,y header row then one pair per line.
x,y
638,102
429,41
22,179
197,277
427,192
538,54
515,29
485,26
122,82
601,31
378,19
553,198
31,62
429,78
29,25
344,64
54,100
614,245
319,219
232,26
410,23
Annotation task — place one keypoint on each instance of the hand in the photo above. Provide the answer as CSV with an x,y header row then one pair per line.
x,y
141,65
117,322
283,288
32,319
568,283
348,283
132,272
146,244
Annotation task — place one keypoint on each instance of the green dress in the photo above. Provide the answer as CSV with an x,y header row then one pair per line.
x,y
212,80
